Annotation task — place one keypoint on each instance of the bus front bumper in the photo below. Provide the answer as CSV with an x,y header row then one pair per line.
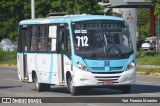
x,y
84,78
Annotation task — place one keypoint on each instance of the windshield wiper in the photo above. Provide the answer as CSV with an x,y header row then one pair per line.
x,y
93,52
114,46
106,43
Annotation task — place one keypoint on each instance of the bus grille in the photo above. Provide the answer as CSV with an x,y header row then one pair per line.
x,y
112,69
98,68
103,77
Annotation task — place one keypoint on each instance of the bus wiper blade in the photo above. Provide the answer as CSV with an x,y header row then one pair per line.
x,y
93,52
114,46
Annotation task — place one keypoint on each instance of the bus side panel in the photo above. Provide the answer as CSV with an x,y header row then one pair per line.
x,y
31,65
45,66
20,66
67,67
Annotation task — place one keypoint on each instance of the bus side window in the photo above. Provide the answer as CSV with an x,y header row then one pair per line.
x,y
48,42
23,40
33,38
67,44
42,36
39,38
64,41
52,41
61,40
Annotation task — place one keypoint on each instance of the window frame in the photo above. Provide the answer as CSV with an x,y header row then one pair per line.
x,y
29,28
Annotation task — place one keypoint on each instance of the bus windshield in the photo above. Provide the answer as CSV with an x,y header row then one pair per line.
x,y
101,39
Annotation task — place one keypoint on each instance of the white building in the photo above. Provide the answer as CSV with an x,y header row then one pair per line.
x,y
7,45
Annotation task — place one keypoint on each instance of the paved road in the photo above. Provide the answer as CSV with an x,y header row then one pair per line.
x,y
10,86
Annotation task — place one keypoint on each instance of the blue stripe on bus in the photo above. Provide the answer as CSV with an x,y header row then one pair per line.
x,y
51,69
68,19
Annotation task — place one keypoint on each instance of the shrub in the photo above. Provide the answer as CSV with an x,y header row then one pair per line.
x,y
7,57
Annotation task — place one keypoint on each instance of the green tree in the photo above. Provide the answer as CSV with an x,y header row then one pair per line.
x,y
143,23
13,11
42,8
157,8
76,6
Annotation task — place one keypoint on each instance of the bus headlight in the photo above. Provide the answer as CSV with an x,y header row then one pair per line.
x,y
82,67
130,66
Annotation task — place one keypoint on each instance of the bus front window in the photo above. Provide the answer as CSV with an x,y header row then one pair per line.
x,y
101,39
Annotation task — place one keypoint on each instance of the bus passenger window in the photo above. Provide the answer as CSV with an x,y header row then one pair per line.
x,y
33,48
53,37
39,46
67,43
33,44
48,44
25,48
24,39
33,38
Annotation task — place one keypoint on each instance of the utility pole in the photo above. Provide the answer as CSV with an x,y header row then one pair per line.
x,y
32,9
158,37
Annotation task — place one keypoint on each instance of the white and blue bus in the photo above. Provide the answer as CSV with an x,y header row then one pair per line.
x,y
77,51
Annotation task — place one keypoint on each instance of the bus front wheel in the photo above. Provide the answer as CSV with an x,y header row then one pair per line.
x,y
72,90
125,89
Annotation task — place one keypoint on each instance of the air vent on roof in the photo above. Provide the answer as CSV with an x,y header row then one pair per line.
x,y
56,14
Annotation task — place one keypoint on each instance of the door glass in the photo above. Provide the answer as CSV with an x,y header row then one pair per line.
x,y
53,35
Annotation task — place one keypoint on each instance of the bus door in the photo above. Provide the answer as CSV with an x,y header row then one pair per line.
x,y
64,44
23,56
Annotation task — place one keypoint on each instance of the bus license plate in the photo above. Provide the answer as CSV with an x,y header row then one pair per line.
x,y
108,82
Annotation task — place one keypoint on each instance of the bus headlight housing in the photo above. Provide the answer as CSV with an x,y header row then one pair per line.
x,y
82,67
130,66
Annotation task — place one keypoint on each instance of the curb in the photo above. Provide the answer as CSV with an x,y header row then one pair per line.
x,y
147,66
150,74
7,65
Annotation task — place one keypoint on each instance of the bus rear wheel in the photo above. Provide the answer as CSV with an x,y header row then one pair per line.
x,y
40,86
72,90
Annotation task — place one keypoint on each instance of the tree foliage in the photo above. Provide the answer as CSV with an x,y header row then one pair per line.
x,y
143,23
157,8
13,11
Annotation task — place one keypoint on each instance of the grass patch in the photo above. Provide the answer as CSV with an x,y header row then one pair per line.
x,y
7,57
148,58
148,71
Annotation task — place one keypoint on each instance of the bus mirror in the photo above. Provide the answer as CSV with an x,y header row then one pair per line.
x,y
124,31
24,27
64,26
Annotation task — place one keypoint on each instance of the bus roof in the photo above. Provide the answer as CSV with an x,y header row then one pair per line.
x,y
67,19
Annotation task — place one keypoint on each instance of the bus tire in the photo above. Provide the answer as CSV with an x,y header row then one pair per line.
x,y
72,90
125,89
46,87
39,86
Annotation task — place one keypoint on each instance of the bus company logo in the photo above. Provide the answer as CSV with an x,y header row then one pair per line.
x,y
129,17
106,63
44,61
6,100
